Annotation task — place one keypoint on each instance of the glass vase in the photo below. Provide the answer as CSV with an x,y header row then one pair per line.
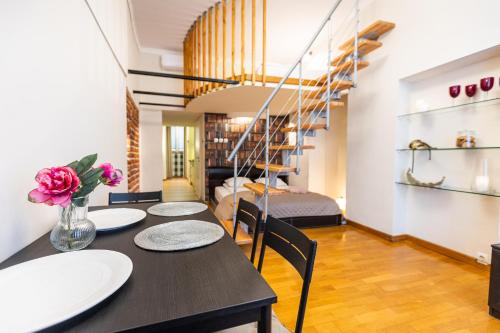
x,y
73,231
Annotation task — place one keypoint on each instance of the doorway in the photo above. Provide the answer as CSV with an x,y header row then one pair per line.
x,y
175,151
181,172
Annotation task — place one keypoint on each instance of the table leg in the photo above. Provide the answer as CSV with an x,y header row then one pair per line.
x,y
265,320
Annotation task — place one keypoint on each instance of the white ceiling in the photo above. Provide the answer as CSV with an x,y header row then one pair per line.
x,y
162,24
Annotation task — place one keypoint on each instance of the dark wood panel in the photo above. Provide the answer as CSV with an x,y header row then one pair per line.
x,y
179,291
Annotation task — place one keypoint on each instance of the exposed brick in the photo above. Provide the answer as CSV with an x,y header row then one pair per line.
x,y
133,144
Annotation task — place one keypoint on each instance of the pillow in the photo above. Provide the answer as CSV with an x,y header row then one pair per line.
x,y
239,181
279,182
230,187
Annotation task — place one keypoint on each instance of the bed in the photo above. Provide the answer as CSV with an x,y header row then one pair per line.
x,y
299,209
221,192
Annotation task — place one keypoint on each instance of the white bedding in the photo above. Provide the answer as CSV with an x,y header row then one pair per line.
x,y
221,192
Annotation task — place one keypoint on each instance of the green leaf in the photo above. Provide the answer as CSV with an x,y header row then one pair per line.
x,y
85,164
85,190
73,165
91,176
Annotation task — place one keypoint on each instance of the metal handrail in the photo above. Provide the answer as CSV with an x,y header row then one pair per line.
x,y
282,82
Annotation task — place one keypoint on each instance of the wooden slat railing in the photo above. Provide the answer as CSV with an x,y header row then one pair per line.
x,y
205,56
253,42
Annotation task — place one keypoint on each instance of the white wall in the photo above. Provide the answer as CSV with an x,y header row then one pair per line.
x,y
323,169
316,158
150,118
152,62
336,153
63,96
134,53
150,143
427,34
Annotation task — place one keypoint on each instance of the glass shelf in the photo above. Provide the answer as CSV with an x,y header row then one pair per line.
x,y
451,189
485,102
449,148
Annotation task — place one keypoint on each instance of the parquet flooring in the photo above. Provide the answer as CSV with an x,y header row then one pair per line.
x,y
362,283
178,189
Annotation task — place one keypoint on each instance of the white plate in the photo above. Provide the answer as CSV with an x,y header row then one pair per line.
x,y
115,218
43,292
177,208
179,235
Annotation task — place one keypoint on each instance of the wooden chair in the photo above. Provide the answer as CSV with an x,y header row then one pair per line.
x,y
250,215
300,252
134,197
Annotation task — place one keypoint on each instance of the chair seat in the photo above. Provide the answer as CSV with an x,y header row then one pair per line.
x,y
276,325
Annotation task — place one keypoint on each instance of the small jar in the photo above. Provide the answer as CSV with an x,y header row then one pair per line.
x,y
466,139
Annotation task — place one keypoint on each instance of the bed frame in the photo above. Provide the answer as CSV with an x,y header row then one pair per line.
x,y
217,175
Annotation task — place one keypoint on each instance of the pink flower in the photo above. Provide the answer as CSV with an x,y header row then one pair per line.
x,y
55,186
110,176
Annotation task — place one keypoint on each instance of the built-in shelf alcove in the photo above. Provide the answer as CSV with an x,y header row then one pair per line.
x,y
455,214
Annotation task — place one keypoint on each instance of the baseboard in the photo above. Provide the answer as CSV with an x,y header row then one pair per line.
x,y
422,243
391,238
447,252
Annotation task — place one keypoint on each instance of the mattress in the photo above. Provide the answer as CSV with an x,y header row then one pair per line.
x,y
301,205
284,205
221,192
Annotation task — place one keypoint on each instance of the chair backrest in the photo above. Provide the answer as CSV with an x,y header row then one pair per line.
x,y
248,214
297,249
134,197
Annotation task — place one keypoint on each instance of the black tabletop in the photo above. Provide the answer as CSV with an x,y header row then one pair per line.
x,y
166,289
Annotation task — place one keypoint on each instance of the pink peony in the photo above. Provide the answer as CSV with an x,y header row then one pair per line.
x,y
110,176
55,186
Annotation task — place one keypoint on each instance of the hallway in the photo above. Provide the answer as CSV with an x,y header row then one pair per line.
x,y
178,189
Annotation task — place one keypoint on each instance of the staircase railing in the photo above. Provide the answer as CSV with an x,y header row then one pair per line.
x,y
318,89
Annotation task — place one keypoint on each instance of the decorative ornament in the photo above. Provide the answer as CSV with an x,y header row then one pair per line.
x,y
414,181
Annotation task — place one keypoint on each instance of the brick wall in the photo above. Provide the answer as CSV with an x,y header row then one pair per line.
x,y
132,144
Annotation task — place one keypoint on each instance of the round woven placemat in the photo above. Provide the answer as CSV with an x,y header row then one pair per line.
x,y
177,208
179,235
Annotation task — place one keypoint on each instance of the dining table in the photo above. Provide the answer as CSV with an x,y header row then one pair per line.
x,y
198,290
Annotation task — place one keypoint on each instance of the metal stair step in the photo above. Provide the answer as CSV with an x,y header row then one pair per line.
x,y
304,127
364,47
290,147
318,105
346,67
259,189
275,167
337,85
372,32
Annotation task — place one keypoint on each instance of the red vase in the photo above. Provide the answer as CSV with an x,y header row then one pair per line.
x,y
454,91
471,90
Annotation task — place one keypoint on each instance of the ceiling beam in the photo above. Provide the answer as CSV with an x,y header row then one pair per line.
x,y
143,92
182,77
161,104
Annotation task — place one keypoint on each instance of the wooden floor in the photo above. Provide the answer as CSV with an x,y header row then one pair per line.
x,y
362,283
178,189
